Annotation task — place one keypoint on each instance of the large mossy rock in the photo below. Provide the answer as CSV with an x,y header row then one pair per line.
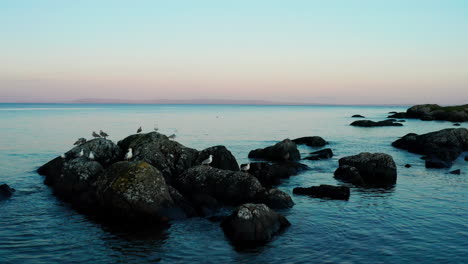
x,y
135,190
372,168
228,187
253,224
281,151
444,145
168,156
222,158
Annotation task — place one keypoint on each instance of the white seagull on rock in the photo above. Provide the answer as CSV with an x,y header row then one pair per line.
x,y
129,154
81,153
245,167
91,155
208,160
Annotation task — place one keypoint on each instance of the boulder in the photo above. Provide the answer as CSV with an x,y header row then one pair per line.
x,y
271,174
325,191
135,190
398,115
181,202
443,145
455,172
6,191
419,111
229,187
281,151
168,156
373,168
436,163
222,158
52,170
314,141
358,116
253,224
349,174
428,112
321,154
370,123
456,124
274,198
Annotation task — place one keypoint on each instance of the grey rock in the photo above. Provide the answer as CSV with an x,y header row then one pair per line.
x,y
281,151
321,154
222,158
314,141
274,198
6,191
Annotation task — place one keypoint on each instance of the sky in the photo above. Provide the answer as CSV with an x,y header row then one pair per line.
x,y
328,52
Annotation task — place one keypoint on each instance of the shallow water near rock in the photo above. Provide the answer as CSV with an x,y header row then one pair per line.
x,y
423,218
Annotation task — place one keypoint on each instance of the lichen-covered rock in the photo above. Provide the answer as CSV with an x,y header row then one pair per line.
x,y
321,154
314,141
281,151
325,191
370,123
275,199
253,224
135,190
168,156
271,174
229,187
222,158
445,145
373,168
6,191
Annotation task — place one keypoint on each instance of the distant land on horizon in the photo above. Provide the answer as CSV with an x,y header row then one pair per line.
x,y
188,102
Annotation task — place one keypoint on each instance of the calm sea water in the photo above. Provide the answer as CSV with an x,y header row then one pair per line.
x,y
423,219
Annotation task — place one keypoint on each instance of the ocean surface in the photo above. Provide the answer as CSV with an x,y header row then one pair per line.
x,y
422,219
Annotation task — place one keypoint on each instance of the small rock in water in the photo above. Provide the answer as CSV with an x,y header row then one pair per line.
x,y
455,172
358,116
325,191
466,158
437,163
456,124
408,166
6,191
321,154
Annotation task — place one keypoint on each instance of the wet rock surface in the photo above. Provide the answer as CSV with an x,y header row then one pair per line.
x,y
325,191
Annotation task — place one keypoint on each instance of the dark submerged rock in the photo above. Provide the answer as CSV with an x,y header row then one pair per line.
x,y
455,172
314,141
325,191
370,123
6,191
321,154
443,145
398,115
407,165
168,156
358,116
271,174
274,198
253,224
373,169
456,124
222,158
281,151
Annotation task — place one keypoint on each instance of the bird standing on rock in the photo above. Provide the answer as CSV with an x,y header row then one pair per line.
x,y
173,136
103,134
139,130
91,155
95,135
80,141
208,160
81,153
129,154
245,167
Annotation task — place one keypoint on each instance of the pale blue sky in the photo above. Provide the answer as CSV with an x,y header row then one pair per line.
x,y
305,51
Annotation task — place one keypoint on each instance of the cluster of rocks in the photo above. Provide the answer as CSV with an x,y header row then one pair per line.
x,y
440,148
428,112
370,123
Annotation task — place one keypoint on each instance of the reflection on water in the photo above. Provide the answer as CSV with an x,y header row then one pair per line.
x,y
420,219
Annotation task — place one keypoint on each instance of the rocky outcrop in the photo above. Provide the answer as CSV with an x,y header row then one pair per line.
x,y
428,112
135,190
441,147
321,154
168,156
6,191
228,187
358,116
325,191
222,158
369,169
397,115
314,141
281,151
370,123
271,174
457,172
274,198
253,224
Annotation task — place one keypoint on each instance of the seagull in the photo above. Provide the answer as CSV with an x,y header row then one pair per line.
x,y
129,154
91,155
81,153
208,160
96,135
173,136
245,167
139,130
103,134
62,156
80,141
